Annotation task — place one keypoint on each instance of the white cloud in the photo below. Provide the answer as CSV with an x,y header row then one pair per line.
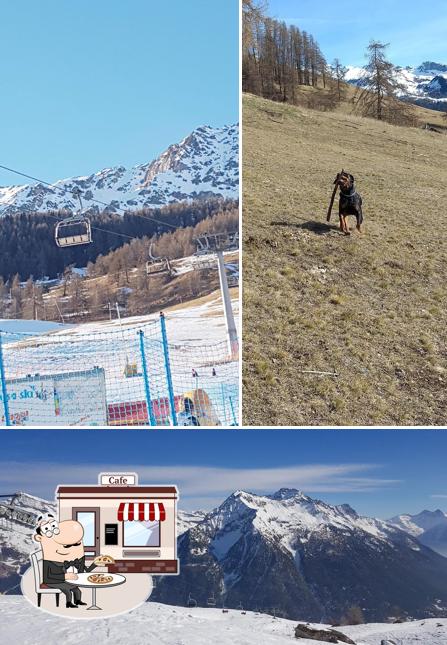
x,y
205,484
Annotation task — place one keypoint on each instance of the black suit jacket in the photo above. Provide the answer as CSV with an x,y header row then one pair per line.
x,y
54,572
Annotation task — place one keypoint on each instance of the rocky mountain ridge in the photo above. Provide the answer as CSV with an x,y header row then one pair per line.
x,y
203,165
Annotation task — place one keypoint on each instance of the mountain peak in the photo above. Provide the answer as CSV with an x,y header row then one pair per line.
x,y
288,493
430,66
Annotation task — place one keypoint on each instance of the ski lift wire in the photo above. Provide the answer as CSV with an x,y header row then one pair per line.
x,y
97,201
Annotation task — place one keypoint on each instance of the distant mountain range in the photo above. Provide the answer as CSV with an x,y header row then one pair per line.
x,y
204,164
425,85
307,559
429,527
304,558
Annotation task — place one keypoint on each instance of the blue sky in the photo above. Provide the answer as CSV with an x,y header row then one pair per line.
x,y
88,85
417,32
380,473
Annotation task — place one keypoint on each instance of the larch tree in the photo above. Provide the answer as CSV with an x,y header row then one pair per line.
x,y
378,97
338,73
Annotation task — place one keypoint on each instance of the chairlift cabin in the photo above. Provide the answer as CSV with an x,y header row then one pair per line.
x,y
73,230
205,263
211,602
158,266
214,242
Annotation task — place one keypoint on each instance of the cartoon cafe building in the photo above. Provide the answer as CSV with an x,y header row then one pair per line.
x,y
136,525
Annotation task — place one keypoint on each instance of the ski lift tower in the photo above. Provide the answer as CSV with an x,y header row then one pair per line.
x,y
216,244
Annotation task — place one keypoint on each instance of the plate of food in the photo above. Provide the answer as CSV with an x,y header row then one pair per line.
x,y
103,560
100,579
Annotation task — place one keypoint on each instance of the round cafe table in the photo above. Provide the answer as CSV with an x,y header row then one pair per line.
x,y
82,581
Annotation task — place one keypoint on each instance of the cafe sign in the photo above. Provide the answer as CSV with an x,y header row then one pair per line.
x,y
118,479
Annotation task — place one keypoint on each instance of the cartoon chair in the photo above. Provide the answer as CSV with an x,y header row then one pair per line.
x,y
36,561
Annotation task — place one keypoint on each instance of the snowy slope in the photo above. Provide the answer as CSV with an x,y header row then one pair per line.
x,y
167,625
204,164
21,326
425,85
197,338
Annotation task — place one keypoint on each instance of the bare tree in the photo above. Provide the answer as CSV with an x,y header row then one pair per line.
x,y
378,97
353,616
339,72
252,17
277,57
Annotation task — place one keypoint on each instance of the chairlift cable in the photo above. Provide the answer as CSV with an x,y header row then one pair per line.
x,y
66,190
96,228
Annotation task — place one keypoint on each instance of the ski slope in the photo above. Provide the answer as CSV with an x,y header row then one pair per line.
x,y
167,625
197,340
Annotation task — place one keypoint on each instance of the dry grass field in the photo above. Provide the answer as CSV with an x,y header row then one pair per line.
x,y
371,308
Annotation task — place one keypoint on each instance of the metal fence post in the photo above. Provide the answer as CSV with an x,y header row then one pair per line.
x,y
3,382
222,388
235,423
146,381
168,369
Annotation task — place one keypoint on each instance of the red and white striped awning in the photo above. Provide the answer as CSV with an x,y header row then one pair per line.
x,y
141,512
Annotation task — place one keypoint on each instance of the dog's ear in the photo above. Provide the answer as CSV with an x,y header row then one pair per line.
x,y
351,177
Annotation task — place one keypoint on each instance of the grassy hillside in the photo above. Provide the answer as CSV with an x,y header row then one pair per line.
x,y
370,308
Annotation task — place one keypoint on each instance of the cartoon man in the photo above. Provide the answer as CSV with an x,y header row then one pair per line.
x,y
62,549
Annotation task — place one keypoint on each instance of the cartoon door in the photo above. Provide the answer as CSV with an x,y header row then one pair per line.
x,y
89,518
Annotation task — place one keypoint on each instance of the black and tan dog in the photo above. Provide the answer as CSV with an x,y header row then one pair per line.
x,y
350,202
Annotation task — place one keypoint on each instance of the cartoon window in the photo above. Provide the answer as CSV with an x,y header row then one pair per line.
x,y
141,533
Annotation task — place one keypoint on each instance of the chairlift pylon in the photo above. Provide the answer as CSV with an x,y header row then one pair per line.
x,y
75,229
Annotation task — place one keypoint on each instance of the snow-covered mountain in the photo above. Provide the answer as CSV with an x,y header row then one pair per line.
x,y
187,519
204,164
18,515
302,557
429,527
425,85
307,558
157,623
